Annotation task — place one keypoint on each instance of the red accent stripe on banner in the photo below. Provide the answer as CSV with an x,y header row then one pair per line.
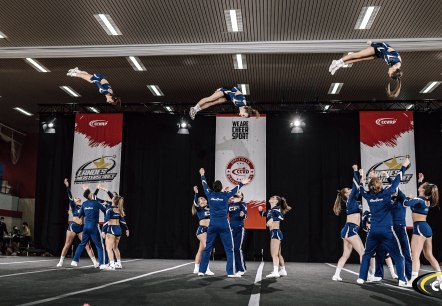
x,y
100,129
236,115
254,219
384,128
11,213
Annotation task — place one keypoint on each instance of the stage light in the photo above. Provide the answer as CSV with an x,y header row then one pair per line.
x,y
49,127
297,126
183,128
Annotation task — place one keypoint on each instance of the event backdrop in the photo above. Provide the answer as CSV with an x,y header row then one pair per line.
x,y
240,153
387,138
96,158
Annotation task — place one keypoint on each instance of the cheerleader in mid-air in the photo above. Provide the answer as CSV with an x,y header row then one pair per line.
x,y
99,80
278,208
349,232
376,50
201,209
75,228
222,95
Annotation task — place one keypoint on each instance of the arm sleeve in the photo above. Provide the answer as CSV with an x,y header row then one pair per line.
x,y
206,188
110,194
106,221
244,210
123,223
412,202
355,186
71,199
263,213
96,193
81,212
232,192
397,180
195,200
101,207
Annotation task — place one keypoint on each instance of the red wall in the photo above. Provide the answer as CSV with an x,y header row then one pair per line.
x,y
22,175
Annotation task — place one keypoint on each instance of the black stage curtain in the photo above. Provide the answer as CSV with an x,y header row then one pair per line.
x,y
160,167
54,164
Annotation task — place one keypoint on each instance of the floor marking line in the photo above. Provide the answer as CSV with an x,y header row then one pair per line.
x,y
102,286
19,262
55,269
255,297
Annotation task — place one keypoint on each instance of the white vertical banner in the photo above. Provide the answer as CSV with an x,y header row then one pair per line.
x,y
97,153
387,138
240,153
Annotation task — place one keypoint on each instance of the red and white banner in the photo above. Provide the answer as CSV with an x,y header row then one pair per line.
x,y
97,153
387,138
240,152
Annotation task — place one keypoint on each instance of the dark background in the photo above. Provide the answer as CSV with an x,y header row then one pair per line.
x,y
160,167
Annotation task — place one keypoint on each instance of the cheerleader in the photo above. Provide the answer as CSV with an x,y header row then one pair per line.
x,y
422,233
376,50
349,232
75,228
381,230
99,80
237,215
114,223
278,208
222,95
201,209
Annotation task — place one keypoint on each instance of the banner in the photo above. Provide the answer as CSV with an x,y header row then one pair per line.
x,y
387,138
240,153
97,153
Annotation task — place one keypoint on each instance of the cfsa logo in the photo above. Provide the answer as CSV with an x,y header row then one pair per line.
x,y
429,284
98,123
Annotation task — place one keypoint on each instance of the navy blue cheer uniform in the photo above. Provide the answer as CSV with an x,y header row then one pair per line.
x,y
238,232
74,227
381,230
381,51
229,94
219,225
274,214
202,213
115,230
352,206
91,211
419,206
399,212
102,88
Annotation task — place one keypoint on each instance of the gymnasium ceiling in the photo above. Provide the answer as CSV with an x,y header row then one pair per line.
x,y
188,52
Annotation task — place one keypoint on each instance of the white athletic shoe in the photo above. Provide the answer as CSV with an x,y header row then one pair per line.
x,y
195,271
282,272
96,264
118,266
109,268
273,275
102,267
192,113
74,263
336,278
209,273
394,275
334,70
405,284
241,273
333,65
374,279
236,275
200,274
60,264
360,281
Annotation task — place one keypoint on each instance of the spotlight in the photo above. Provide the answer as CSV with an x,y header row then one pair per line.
x,y
49,127
183,128
296,126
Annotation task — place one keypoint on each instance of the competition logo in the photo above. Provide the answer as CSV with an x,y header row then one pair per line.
x,y
97,170
385,121
429,284
238,169
98,123
392,166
